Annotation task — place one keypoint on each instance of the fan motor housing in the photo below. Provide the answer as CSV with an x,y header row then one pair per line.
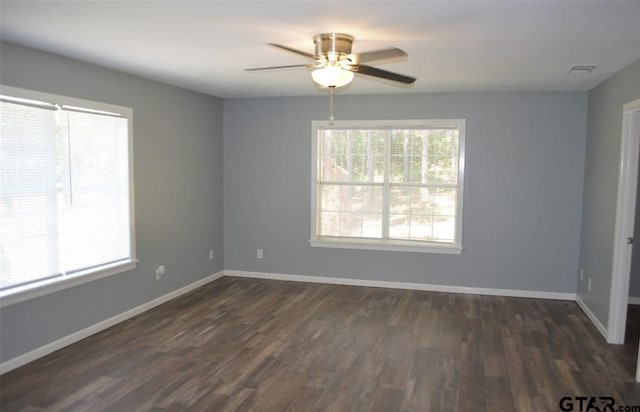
x,y
333,43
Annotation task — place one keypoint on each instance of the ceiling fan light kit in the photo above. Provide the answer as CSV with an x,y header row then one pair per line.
x,y
332,76
335,64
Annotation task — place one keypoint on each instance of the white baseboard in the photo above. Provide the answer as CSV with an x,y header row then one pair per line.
x,y
405,285
596,322
634,300
100,326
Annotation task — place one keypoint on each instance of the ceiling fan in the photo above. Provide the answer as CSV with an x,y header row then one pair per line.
x,y
334,65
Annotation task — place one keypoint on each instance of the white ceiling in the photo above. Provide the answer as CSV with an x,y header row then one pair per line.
x,y
453,46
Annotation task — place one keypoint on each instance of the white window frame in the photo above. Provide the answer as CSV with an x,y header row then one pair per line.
x,y
25,292
387,244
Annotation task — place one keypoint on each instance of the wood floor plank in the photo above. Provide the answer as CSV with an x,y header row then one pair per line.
x,y
259,345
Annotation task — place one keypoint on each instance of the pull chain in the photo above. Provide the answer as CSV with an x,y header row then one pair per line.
x,y
331,94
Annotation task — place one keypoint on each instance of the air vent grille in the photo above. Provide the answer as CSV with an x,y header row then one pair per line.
x,y
582,68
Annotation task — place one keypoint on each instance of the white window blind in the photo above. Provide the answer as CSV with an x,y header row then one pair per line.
x,y
381,186
65,205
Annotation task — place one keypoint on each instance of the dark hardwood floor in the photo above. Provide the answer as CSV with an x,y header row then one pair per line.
x,y
261,345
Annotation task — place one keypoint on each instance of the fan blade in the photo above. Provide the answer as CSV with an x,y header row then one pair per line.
x,y
300,52
375,55
291,66
383,74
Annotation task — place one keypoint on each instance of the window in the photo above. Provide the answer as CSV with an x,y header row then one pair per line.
x,y
388,185
66,192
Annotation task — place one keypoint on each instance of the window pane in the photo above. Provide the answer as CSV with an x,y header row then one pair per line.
x,y
359,225
421,228
28,187
444,201
95,208
444,228
371,225
399,226
405,204
349,224
351,210
443,156
408,156
424,156
411,200
352,198
421,213
329,223
352,156
64,192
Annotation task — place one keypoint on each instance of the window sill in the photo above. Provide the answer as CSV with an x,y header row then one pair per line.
x,y
387,245
33,290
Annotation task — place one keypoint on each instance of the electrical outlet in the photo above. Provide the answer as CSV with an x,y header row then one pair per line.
x,y
259,254
160,270
589,285
210,254
581,274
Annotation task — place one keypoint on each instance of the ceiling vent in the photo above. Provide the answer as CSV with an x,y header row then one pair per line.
x,y
582,68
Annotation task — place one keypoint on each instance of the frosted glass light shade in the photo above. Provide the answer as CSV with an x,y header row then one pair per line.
x,y
332,76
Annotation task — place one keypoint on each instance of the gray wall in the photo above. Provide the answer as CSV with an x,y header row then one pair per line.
x,y
602,160
178,194
523,189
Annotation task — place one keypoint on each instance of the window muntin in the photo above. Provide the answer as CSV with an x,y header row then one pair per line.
x,y
66,190
388,185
